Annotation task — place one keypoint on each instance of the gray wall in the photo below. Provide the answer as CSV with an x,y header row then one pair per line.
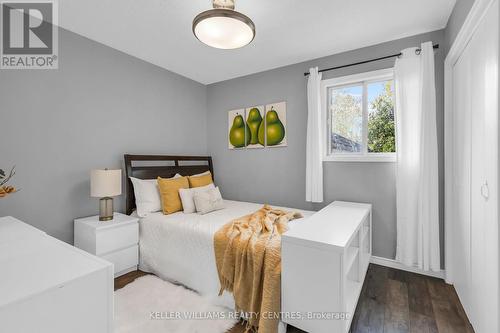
x,y
277,175
57,125
456,20
53,131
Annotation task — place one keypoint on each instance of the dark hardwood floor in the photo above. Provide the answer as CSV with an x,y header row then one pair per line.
x,y
123,280
392,301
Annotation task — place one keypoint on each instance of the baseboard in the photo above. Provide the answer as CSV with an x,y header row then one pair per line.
x,y
396,265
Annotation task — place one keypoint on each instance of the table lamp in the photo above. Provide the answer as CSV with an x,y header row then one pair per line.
x,y
105,184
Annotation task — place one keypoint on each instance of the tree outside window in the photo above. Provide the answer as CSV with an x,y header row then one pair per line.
x,y
381,132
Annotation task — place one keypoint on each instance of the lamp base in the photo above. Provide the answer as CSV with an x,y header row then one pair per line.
x,y
106,209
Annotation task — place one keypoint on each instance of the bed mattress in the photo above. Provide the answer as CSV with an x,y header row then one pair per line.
x,y
179,247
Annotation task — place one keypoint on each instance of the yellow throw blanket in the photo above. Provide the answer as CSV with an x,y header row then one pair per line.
x,y
248,257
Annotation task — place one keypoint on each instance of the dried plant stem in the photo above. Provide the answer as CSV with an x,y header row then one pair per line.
x,y
11,174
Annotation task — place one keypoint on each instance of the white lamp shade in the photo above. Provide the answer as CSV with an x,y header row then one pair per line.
x,y
105,183
223,28
224,32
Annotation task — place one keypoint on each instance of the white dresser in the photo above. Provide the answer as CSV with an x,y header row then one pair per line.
x,y
116,241
48,286
324,263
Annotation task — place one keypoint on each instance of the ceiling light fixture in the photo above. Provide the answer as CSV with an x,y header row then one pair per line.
x,y
223,27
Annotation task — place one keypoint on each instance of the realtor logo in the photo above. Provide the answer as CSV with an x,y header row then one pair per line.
x,y
29,34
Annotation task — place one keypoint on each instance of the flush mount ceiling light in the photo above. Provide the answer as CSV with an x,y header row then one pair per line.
x,y
223,27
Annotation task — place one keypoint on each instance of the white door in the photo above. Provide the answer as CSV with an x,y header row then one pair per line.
x,y
461,168
484,171
475,176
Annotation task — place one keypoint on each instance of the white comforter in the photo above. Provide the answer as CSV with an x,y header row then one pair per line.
x,y
179,247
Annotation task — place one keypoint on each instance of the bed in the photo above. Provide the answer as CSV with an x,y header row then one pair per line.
x,y
179,247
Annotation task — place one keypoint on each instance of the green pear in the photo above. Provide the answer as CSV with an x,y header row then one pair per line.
x,y
239,135
275,129
261,133
253,120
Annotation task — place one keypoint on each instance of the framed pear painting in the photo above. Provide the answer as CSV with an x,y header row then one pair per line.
x,y
275,121
256,124
238,130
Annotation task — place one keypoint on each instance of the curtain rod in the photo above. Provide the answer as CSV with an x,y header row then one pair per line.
x,y
436,46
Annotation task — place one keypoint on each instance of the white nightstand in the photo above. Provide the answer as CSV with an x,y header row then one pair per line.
x,y
115,241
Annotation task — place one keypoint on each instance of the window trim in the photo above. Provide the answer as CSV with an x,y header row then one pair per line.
x,y
363,79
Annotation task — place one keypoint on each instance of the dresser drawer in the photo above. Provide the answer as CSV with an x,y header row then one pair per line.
x,y
112,239
123,259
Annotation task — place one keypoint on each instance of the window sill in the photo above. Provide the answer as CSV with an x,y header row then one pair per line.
x,y
391,158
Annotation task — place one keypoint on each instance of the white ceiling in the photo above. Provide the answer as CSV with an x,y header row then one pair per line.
x,y
288,31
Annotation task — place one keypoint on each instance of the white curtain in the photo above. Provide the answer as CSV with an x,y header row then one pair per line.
x,y
314,161
417,160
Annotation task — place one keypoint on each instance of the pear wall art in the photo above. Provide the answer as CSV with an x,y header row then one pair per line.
x,y
255,120
257,127
276,125
239,132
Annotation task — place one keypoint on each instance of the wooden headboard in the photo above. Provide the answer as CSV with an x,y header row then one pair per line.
x,y
143,167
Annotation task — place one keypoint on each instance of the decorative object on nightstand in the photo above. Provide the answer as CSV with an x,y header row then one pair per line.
x,y
105,184
4,179
116,241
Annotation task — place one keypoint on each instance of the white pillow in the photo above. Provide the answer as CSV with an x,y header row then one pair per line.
x,y
187,197
200,174
147,195
208,201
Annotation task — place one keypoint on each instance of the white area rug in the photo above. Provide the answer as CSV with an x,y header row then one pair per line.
x,y
151,305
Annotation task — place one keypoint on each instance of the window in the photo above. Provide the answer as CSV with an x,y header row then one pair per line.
x,y
359,117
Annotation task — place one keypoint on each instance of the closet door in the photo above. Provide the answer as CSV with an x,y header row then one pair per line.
x,y
484,174
461,180
475,241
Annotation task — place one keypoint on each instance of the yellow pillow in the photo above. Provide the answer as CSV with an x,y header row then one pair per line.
x,y
169,193
198,181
